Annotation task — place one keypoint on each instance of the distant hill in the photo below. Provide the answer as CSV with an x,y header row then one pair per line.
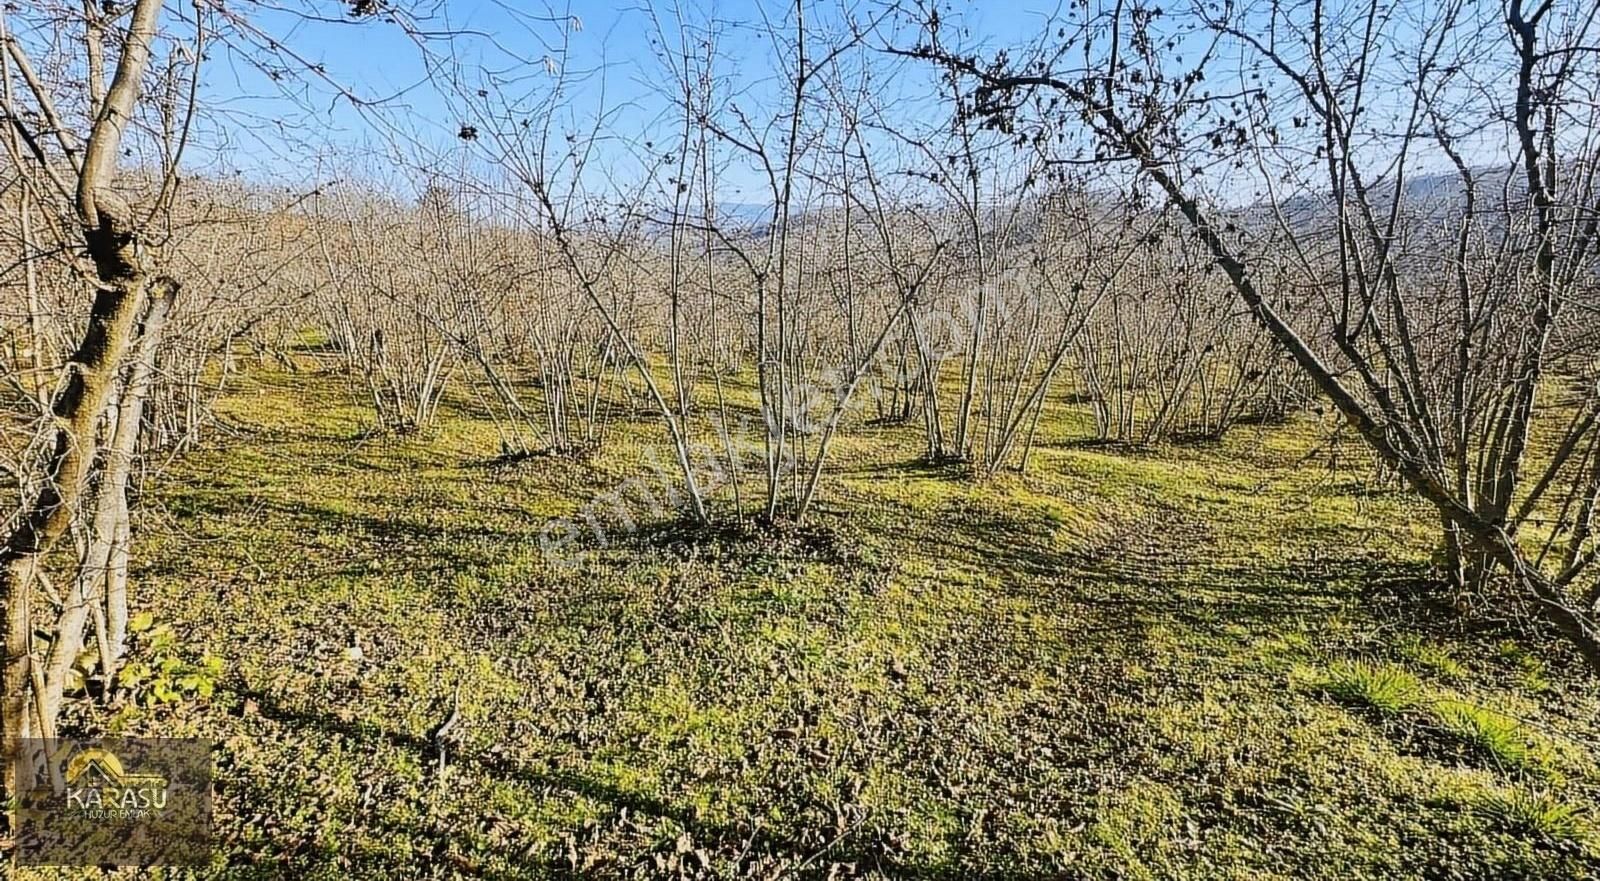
x,y
1436,195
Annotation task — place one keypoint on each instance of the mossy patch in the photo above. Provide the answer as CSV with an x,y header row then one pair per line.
x,y
1123,663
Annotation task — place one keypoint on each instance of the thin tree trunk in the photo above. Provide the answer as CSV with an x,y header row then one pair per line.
x,y
110,516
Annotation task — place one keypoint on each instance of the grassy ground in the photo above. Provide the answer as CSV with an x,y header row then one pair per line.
x,y
1202,662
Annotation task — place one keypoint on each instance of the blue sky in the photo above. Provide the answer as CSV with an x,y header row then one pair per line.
x,y
290,129
297,130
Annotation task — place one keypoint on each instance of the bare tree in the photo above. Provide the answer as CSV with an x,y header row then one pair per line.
x,y
1456,429
72,154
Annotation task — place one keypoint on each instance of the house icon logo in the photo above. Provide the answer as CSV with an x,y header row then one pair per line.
x,y
119,801
96,782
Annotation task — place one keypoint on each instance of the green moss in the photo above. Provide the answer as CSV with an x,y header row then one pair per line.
x,y
1432,657
1075,672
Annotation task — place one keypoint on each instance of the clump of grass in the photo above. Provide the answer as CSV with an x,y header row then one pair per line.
x,y
1530,670
1535,681
1493,734
1435,658
1383,687
1531,812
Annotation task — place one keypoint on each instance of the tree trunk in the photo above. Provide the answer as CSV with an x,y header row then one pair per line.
x,y
77,409
110,519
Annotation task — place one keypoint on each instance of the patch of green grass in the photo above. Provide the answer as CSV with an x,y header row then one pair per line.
x,y
1530,669
1128,822
1433,657
1072,672
1535,681
1527,811
1494,735
1383,687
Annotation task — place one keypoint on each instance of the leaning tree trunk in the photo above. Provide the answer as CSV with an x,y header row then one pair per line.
x,y
77,410
123,285
92,586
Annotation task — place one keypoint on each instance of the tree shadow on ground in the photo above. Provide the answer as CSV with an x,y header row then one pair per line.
x,y
758,850
1106,603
